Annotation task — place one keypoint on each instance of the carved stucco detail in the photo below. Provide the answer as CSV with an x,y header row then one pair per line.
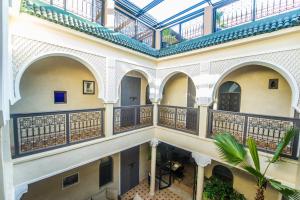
x,y
25,50
122,68
289,60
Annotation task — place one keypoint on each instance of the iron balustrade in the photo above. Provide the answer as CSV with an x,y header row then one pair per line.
x,y
38,132
243,11
267,131
133,28
128,118
91,10
179,118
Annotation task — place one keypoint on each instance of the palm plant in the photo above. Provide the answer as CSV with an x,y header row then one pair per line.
x,y
235,153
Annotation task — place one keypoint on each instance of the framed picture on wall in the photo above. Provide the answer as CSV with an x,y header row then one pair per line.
x,y
88,87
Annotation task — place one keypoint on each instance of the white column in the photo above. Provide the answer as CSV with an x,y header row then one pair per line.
x,y
157,39
154,142
155,112
109,119
203,120
202,161
109,15
208,20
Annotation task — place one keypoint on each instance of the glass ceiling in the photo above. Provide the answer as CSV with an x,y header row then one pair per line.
x,y
166,11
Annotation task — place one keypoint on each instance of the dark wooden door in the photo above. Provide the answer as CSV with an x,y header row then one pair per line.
x,y
129,169
130,96
229,102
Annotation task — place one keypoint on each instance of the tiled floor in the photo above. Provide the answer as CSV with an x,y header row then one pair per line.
x,y
143,190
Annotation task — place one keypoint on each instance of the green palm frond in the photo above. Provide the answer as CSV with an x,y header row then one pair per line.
x,y
283,143
254,153
284,190
229,148
254,172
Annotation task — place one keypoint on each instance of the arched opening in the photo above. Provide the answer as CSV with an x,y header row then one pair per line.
x,y
59,106
229,96
255,89
178,107
57,73
135,109
223,173
179,90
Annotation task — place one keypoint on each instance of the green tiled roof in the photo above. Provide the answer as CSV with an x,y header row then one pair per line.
x,y
67,19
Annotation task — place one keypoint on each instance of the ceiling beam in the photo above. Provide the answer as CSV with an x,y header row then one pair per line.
x,y
148,7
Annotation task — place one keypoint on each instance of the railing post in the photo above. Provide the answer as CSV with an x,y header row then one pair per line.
x,y
135,115
208,20
175,118
16,137
245,131
295,150
109,15
155,113
68,127
108,119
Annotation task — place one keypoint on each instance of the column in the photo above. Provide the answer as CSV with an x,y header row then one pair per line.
x,y
109,119
157,39
208,20
154,142
203,120
109,15
202,161
155,112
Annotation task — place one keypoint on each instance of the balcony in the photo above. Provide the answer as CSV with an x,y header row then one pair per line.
x,y
267,131
127,118
38,132
179,118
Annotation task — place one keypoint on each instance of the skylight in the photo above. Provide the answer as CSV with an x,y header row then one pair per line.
x,y
168,8
141,3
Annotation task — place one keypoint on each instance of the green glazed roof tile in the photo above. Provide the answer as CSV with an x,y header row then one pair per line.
x,y
59,16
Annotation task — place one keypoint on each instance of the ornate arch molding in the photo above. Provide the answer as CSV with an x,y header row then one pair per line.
x,y
163,75
284,62
27,51
122,68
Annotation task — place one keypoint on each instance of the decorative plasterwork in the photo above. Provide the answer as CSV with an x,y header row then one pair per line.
x,y
201,159
284,62
20,190
154,142
122,68
27,51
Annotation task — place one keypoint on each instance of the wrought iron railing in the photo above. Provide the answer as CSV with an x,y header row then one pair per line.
x,y
242,11
133,28
128,118
92,10
267,131
37,132
180,118
182,31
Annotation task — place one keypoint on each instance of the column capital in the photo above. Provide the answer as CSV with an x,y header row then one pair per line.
x,y
20,190
154,142
201,159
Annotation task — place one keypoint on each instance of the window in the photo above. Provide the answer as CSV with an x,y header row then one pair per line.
x,y
92,10
223,173
105,171
60,97
229,97
70,180
273,83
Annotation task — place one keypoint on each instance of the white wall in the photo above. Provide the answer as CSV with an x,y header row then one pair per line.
x,y
51,74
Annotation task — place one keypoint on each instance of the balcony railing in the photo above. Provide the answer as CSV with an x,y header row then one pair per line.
x,y
243,11
180,118
267,131
37,132
128,118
